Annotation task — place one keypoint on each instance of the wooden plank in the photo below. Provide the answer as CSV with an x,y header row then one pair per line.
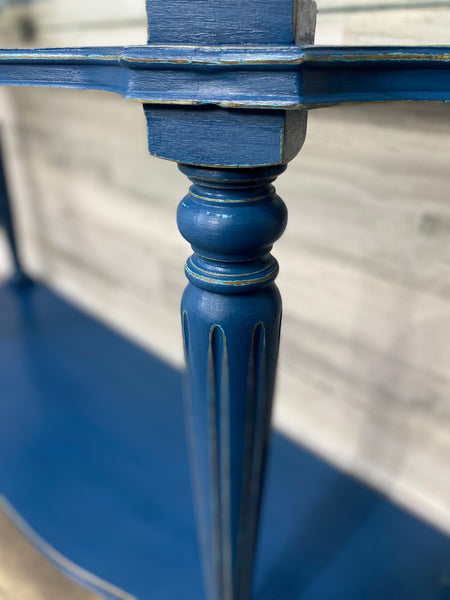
x,y
54,15
224,22
348,6
413,26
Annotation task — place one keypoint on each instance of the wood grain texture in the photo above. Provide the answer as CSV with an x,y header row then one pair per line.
x,y
264,77
372,22
224,22
349,6
265,137
364,264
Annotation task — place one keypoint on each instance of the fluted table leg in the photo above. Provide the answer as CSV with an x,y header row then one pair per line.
x,y
231,314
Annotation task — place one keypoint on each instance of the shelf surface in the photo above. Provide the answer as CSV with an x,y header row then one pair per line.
x,y
93,468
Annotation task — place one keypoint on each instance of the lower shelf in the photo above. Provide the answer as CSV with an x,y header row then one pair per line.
x,y
93,459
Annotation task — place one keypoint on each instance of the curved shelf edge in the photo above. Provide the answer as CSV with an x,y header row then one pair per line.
x,y
238,77
66,566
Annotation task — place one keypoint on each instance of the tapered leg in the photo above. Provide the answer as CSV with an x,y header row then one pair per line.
x,y
231,314
7,222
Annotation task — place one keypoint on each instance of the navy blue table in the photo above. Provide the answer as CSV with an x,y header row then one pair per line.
x,y
93,455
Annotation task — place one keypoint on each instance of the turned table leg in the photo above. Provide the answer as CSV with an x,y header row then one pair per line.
x,y
7,221
231,315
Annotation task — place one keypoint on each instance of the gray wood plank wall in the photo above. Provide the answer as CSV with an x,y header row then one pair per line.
x,y
365,263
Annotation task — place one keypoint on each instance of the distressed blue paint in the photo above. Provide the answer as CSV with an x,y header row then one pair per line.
x,y
222,22
231,314
265,137
91,432
93,456
348,75
200,92
271,77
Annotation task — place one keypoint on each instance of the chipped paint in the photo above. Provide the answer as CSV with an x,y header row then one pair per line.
x,y
218,85
231,282
390,57
228,200
197,268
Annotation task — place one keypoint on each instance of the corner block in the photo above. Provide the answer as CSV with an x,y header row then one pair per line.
x,y
229,136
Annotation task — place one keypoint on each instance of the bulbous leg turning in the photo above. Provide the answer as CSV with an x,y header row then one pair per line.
x,y
231,315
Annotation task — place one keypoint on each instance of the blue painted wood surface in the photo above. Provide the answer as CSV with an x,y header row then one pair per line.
x,y
93,455
222,22
231,315
270,77
265,137
102,444
206,92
